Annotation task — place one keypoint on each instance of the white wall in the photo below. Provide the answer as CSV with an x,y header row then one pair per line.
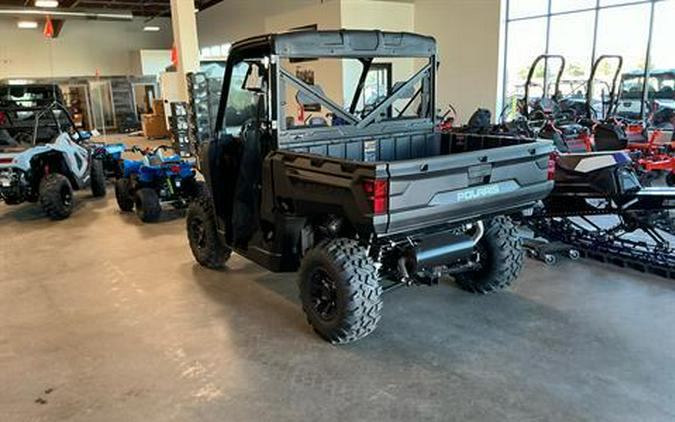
x,y
154,62
467,32
81,48
234,20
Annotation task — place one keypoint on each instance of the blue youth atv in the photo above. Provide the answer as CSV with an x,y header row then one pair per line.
x,y
147,183
111,158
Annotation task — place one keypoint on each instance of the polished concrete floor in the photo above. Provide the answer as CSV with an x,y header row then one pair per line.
x,y
107,319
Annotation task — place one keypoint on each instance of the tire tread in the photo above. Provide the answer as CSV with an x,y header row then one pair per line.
x,y
360,277
506,260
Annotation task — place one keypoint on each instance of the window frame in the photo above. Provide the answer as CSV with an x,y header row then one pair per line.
x,y
599,6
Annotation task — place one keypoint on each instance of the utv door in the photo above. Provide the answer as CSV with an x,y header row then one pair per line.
x,y
236,154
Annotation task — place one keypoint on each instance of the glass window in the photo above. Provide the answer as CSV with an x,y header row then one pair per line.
x,y
662,97
572,37
525,8
571,5
620,30
662,37
241,103
527,40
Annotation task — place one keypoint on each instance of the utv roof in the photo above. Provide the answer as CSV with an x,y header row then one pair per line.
x,y
341,43
654,72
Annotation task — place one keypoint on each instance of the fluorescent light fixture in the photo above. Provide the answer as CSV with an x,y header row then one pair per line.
x,y
150,28
46,3
27,24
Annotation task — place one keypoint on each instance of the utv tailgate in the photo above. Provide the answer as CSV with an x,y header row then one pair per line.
x,y
464,186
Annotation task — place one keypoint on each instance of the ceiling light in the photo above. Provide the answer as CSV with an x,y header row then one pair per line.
x,y
46,3
149,28
27,24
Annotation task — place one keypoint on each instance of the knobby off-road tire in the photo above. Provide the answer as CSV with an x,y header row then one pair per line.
x,y
203,237
501,259
124,194
97,175
56,196
147,205
340,291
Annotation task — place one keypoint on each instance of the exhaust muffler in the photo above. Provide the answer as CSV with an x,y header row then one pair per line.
x,y
439,249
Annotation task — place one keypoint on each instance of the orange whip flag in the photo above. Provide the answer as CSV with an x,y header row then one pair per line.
x,y
174,55
49,28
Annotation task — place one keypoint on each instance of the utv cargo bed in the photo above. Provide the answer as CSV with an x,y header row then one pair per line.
x,y
455,178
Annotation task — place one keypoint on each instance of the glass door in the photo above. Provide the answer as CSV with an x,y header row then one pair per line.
x,y
102,109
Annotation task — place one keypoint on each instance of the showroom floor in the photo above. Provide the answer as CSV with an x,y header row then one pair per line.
x,y
108,319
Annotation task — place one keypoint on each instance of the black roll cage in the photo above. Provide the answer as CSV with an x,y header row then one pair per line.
x,y
525,108
39,113
613,89
364,46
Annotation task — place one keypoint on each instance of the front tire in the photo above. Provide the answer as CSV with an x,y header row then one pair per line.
x,y
147,205
340,291
56,196
124,194
97,176
202,232
500,259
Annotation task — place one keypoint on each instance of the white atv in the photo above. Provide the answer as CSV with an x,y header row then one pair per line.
x,y
48,166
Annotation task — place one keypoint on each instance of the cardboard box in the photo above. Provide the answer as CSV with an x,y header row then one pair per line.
x,y
158,107
154,126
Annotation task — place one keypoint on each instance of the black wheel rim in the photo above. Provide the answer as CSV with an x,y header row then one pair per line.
x,y
198,233
323,295
66,196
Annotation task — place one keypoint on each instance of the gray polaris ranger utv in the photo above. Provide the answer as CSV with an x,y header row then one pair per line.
x,y
353,186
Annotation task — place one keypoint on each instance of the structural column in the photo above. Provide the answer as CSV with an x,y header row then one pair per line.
x,y
184,25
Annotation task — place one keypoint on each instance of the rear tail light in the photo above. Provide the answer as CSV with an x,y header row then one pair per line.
x,y
378,194
6,160
175,169
552,159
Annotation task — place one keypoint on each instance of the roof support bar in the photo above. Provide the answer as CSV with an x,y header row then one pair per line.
x,y
375,114
327,102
